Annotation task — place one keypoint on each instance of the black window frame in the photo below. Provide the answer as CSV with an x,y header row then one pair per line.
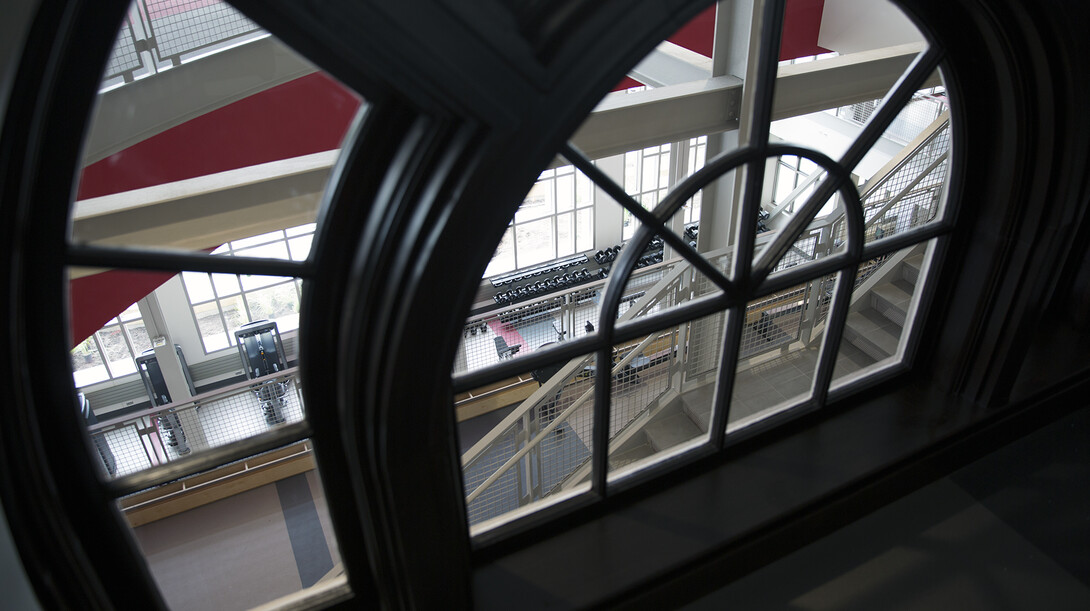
x,y
1004,256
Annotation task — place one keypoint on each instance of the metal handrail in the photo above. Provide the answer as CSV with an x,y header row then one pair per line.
x,y
194,400
142,31
550,387
556,422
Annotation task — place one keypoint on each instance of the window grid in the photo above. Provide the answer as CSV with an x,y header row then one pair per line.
x,y
697,156
791,171
646,179
788,298
556,219
95,351
237,298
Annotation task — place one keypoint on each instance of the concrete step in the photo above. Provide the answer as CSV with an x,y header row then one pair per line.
x,y
910,268
697,404
872,333
665,433
630,455
891,299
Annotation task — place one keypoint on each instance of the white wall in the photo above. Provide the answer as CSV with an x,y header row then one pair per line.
x,y
849,26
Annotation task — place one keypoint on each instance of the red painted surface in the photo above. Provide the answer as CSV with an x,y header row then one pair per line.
x,y
697,35
303,116
627,83
94,300
307,115
801,24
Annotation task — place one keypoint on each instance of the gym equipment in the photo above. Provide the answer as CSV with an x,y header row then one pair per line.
x,y
262,354
156,386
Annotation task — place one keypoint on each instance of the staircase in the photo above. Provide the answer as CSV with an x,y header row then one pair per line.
x,y
872,333
876,320
682,420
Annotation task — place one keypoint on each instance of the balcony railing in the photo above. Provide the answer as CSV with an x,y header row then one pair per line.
x,y
159,435
158,34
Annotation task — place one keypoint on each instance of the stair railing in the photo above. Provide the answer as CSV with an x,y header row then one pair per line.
x,y
558,420
669,284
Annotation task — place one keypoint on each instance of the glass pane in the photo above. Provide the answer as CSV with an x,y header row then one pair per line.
x,y
912,194
565,192
131,313
279,303
87,364
584,190
265,238
118,355
234,312
565,239
539,202
300,247
535,242
552,409
584,230
235,156
778,357
651,410
97,301
210,327
226,284
301,229
882,307
250,283
138,336
504,259
199,286
785,183
650,180
134,426
274,250
232,538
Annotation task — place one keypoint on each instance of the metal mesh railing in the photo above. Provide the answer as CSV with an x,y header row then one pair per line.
x,y
908,196
924,107
156,436
181,27
171,30
805,249
504,494
773,321
519,330
540,449
124,57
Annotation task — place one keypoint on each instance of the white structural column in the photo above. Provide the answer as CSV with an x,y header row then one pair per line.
x,y
608,214
171,366
730,53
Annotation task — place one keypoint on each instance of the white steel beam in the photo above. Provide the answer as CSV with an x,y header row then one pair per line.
x,y
629,121
671,64
207,211
139,110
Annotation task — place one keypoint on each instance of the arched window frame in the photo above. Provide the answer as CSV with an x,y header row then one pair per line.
x,y
46,479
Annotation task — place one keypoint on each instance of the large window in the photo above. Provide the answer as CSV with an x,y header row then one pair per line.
x,y
646,178
739,340
556,219
221,303
696,156
791,172
111,351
